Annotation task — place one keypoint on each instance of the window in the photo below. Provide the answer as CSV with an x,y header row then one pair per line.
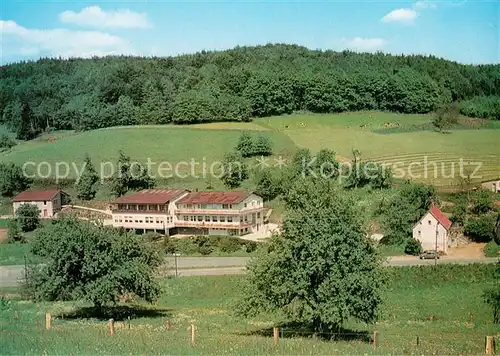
x,y
200,218
147,219
207,218
258,215
429,222
45,202
142,207
136,221
214,218
229,219
227,206
192,218
245,205
419,233
222,219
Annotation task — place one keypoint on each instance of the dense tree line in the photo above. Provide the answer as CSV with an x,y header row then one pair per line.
x,y
234,85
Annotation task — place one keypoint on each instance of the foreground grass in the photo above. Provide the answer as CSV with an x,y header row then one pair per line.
x,y
434,305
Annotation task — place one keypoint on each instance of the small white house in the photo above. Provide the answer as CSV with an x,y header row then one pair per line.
x,y
494,186
48,201
433,230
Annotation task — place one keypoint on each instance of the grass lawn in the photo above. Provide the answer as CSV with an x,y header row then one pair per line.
x,y
343,132
416,304
13,254
168,143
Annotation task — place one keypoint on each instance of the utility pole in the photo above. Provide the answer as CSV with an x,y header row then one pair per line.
x,y
435,248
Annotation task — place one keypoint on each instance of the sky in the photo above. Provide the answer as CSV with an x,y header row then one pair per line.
x,y
465,31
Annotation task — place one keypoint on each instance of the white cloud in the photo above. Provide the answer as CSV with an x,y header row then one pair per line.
x,y
21,41
94,16
401,15
365,44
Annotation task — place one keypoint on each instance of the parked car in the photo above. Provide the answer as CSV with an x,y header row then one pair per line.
x,y
429,255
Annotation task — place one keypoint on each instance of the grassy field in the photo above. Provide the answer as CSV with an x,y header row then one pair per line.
x,y
170,144
389,138
434,305
398,140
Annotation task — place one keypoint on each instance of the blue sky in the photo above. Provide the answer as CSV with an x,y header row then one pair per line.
x,y
466,31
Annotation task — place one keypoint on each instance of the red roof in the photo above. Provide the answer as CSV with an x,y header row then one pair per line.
x,y
214,198
439,215
37,195
150,196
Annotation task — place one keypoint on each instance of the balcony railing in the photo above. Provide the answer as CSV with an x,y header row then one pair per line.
x,y
124,211
214,225
218,211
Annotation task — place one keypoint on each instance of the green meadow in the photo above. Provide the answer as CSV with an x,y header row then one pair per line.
x,y
433,305
382,137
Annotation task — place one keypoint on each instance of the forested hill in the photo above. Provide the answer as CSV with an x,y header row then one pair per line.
x,y
235,85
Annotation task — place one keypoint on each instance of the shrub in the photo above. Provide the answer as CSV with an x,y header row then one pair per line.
x,y
6,142
250,246
4,303
413,247
229,244
483,202
492,249
480,229
204,245
186,246
13,234
28,217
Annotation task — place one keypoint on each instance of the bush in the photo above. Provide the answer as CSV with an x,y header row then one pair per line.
x,y
28,217
186,246
229,244
413,247
13,234
250,246
480,229
6,142
204,245
483,202
492,249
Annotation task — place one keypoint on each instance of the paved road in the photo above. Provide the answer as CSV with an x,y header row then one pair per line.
x,y
209,266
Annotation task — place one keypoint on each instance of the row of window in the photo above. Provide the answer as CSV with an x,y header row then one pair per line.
x,y
216,218
142,207
147,220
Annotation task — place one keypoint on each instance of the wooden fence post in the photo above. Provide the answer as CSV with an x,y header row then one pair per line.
x,y
418,341
48,319
489,345
111,327
276,335
375,339
193,334
129,321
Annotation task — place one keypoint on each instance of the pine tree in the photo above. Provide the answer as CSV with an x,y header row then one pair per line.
x,y
234,171
245,145
26,130
154,108
262,146
86,185
121,178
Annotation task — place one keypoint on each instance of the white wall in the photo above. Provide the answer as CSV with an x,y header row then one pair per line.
x,y
42,205
425,232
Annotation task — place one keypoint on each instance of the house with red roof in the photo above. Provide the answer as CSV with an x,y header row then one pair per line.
x,y
183,212
433,230
49,201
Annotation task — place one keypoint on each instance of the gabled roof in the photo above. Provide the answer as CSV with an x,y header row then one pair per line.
x,y
151,196
439,215
214,198
37,195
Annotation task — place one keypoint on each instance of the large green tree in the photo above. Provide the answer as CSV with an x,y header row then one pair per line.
x,y
234,170
321,270
89,262
12,179
86,184
28,217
